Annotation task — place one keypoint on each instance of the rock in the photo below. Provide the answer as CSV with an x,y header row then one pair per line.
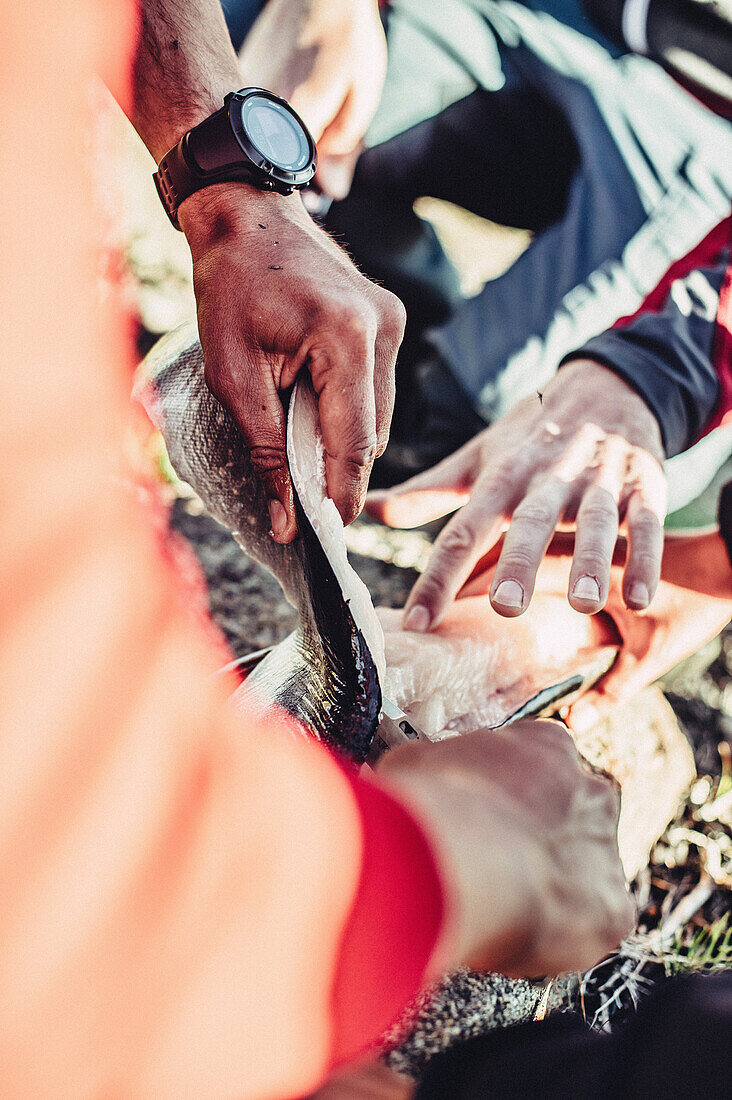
x,y
643,747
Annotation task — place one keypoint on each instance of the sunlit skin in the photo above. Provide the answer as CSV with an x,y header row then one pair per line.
x,y
275,294
588,454
693,602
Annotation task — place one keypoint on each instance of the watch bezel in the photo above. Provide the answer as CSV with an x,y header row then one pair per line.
x,y
273,172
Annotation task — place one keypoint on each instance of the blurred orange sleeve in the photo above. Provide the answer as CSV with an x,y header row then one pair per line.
x,y
179,893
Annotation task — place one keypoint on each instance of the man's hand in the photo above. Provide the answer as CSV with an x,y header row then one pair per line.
x,y
275,295
328,59
587,452
526,837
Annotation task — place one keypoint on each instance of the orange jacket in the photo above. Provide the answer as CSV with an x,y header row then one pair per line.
x,y
190,908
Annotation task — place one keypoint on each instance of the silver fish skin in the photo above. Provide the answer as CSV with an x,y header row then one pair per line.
x,y
327,673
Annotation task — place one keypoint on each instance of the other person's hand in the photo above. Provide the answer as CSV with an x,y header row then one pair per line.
x,y
587,452
526,837
276,295
328,59
692,605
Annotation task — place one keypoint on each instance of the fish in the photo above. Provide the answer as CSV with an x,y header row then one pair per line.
x,y
327,673
345,661
478,670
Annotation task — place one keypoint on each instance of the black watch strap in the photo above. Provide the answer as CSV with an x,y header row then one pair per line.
x,y
209,153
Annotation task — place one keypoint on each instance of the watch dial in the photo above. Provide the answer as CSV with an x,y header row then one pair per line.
x,y
275,133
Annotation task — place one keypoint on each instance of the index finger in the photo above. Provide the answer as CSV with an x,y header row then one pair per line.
x,y
465,539
345,387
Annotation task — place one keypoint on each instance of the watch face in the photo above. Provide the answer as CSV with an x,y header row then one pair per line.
x,y
275,133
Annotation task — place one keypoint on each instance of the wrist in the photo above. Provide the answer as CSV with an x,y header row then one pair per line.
x,y
252,148
225,209
485,883
169,129
624,409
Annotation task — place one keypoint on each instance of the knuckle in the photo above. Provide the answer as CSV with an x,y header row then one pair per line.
x,y
381,445
643,567
517,562
594,561
267,457
502,480
534,513
353,322
598,511
360,457
393,317
430,587
458,537
646,527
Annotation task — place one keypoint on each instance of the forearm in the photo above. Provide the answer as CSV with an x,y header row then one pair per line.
x,y
183,68
481,878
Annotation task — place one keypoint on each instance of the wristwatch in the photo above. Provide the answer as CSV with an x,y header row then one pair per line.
x,y
256,138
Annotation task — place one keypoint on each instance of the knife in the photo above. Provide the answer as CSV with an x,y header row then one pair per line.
x,y
395,728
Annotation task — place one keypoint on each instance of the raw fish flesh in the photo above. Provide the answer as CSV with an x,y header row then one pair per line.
x,y
479,669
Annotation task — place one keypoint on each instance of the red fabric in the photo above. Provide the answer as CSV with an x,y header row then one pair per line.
x,y
703,254
394,925
176,880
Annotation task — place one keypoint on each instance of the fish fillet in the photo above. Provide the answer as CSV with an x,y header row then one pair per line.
x,y
479,669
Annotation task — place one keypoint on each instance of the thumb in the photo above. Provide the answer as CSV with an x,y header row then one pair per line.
x,y
626,678
431,495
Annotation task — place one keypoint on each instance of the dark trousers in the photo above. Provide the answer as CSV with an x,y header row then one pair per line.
x,y
676,1048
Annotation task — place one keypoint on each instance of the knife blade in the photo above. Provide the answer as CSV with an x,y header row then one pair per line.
x,y
395,728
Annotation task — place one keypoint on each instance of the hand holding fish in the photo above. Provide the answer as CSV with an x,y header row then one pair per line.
x,y
589,454
275,295
527,839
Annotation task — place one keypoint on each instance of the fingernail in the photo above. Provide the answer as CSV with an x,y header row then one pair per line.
x,y
639,594
509,594
583,717
587,588
278,517
418,619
